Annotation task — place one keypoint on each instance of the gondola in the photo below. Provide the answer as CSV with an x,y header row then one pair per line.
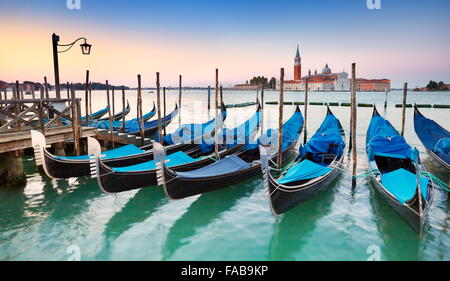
x,y
229,170
434,137
118,125
318,163
95,115
397,173
119,179
150,128
77,166
118,116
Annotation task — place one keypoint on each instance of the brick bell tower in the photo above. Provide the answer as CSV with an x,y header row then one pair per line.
x,y
298,67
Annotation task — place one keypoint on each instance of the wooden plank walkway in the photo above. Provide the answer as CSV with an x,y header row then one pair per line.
x,y
22,140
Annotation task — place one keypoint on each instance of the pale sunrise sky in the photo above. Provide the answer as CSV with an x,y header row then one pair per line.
x,y
405,41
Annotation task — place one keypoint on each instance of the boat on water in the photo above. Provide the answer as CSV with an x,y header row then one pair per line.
x,y
119,179
119,125
232,169
434,137
150,127
76,166
96,115
397,172
318,163
118,116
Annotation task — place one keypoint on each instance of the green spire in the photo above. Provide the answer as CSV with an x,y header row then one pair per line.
x,y
298,52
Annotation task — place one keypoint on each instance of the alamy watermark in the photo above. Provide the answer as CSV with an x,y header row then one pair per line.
x,y
374,4
374,252
73,4
74,252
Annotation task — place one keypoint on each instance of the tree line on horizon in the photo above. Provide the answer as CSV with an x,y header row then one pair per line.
x,y
261,80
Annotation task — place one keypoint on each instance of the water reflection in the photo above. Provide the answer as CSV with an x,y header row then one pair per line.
x,y
394,231
292,228
203,211
136,210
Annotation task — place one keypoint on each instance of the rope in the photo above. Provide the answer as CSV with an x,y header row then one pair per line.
x,y
439,182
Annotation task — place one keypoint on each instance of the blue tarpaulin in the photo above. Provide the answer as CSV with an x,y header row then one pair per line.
x,y
238,135
189,132
227,165
173,159
327,138
403,184
303,171
135,126
433,136
383,140
129,149
117,125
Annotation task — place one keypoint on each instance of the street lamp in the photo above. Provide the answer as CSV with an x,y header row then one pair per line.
x,y
85,50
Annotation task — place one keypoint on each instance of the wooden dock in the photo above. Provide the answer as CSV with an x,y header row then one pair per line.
x,y
22,139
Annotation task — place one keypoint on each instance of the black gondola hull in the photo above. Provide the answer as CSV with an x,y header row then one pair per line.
x,y
282,200
66,168
114,182
179,188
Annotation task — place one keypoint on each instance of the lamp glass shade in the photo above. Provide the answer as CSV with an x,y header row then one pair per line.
x,y
85,48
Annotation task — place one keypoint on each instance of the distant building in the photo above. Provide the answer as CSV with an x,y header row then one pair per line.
x,y
246,87
329,81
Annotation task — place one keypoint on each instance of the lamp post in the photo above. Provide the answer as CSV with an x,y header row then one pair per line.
x,y
85,49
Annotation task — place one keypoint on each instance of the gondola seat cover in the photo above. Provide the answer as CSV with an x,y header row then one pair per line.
x,y
227,165
303,171
442,148
188,132
126,150
403,184
327,139
173,159
239,135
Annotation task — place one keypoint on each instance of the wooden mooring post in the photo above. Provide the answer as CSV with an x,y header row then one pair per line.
x,y
353,125
209,98
216,109
46,87
179,100
158,102
75,123
305,131
405,93
280,121
90,98
164,106
86,97
109,114
141,120
123,108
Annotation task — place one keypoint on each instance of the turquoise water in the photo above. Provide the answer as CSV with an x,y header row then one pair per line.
x,y
67,219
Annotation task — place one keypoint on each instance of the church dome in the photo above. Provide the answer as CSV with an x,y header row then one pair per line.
x,y
326,70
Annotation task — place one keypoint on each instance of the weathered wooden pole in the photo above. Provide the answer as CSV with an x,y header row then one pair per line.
x,y
209,98
109,114
164,106
385,100
33,95
113,101
86,97
17,107
90,98
405,93
262,97
280,121
123,108
68,90
257,95
141,121
353,128
221,96
158,103
46,87
216,108
305,131
41,89
76,136
179,101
